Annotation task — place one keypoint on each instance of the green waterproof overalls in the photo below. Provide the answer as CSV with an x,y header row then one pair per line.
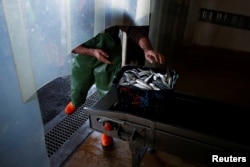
x,y
87,70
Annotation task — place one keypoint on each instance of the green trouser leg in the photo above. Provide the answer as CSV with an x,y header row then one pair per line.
x,y
87,70
104,75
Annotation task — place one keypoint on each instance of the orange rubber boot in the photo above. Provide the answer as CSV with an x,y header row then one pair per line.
x,y
107,141
70,108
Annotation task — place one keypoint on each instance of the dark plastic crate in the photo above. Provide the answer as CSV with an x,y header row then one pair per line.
x,y
132,98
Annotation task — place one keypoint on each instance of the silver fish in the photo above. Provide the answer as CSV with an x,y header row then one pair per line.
x,y
144,84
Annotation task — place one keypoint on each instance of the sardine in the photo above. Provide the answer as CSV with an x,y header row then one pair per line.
x,y
154,87
144,84
140,86
146,80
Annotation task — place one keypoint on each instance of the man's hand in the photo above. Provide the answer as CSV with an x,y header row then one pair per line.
x,y
101,56
153,56
150,55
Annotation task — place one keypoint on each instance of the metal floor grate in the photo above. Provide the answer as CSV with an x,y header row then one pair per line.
x,y
62,132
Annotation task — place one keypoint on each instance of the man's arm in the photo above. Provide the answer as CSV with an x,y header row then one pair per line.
x,y
150,54
140,36
99,54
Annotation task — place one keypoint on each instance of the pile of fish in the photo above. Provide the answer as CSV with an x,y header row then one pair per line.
x,y
147,79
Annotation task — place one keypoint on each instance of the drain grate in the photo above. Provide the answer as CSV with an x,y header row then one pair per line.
x,y
62,132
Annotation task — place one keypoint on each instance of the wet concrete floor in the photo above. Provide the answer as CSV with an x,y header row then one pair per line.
x,y
91,154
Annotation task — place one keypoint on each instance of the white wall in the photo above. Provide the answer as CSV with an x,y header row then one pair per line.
x,y
207,34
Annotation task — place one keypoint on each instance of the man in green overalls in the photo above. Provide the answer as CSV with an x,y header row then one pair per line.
x,y
98,60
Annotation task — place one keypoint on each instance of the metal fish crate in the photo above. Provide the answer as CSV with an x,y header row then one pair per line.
x,y
133,98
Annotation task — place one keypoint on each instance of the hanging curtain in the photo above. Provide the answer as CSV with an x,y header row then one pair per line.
x,y
43,33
